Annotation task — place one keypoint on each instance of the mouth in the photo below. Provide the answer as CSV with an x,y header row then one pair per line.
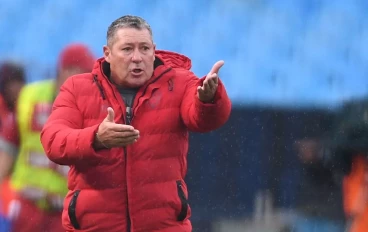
x,y
137,71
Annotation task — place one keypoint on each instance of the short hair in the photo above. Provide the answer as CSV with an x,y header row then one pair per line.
x,y
11,72
127,21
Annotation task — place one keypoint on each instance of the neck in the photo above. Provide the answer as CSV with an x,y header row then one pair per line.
x,y
119,86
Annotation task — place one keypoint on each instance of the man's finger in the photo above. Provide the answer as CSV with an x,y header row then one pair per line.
x,y
122,128
206,86
131,142
216,67
200,90
126,134
212,84
213,77
110,115
128,141
123,137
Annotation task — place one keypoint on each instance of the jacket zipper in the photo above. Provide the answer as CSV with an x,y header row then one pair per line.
x,y
128,121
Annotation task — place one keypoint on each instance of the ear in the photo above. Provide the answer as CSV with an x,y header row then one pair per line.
x,y
106,52
154,51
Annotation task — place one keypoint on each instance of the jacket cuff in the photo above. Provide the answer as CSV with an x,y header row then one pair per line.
x,y
86,145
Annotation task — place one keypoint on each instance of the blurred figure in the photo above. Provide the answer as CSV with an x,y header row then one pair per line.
x,y
356,194
319,199
40,184
348,152
12,79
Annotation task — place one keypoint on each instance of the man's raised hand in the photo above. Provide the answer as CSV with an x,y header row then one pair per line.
x,y
206,92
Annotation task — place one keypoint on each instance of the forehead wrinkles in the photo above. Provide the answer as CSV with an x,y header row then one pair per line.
x,y
128,35
134,39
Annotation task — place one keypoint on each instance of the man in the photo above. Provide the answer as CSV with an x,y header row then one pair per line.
x,y
12,79
348,157
128,168
40,185
343,153
319,201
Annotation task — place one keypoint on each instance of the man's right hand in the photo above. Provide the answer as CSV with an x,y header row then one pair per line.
x,y
111,134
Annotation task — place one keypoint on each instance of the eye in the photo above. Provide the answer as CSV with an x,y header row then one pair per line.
x,y
127,49
145,48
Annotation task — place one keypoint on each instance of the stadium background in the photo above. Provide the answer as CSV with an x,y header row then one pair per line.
x,y
288,65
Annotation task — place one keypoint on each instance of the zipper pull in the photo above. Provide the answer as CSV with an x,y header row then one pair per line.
x,y
128,115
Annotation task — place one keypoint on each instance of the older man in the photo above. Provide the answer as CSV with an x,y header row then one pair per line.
x,y
123,130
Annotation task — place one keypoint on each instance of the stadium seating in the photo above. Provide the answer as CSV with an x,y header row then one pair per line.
x,y
277,52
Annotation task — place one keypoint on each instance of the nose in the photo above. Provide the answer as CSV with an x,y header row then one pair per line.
x,y
136,56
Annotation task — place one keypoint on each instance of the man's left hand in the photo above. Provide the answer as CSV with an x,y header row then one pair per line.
x,y
206,92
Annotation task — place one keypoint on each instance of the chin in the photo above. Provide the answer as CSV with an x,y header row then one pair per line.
x,y
137,82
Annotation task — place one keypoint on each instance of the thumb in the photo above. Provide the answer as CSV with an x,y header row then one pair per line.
x,y
216,67
200,90
110,115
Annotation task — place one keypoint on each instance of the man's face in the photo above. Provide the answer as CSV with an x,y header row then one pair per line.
x,y
12,91
131,55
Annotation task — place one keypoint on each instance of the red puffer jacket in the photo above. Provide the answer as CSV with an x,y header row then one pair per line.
x,y
139,188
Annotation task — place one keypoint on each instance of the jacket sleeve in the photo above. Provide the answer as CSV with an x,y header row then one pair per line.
x,y
63,137
204,117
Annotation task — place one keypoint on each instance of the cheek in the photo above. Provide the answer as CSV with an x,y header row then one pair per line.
x,y
149,62
149,68
119,61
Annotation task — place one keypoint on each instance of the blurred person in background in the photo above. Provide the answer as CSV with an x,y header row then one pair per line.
x,y
342,158
347,155
123,130
319,196
40,185
12,79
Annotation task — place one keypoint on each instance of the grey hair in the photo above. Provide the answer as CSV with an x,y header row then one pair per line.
x,y
127,21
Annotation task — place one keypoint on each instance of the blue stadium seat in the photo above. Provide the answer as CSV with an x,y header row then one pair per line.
x,y
268,35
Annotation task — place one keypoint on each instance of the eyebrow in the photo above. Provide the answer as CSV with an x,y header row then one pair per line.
x,y
143,43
